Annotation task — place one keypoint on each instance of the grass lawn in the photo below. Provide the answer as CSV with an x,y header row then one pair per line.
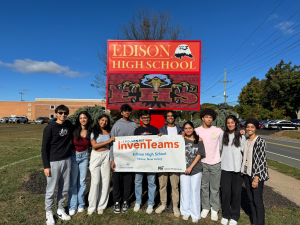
x,y
18,206
285,169
290,134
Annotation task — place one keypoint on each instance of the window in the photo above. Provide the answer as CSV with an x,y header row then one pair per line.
x,y
52,107
51,116
29,109
29,104
28,114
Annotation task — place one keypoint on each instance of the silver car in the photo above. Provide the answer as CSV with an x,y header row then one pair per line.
x,y
4,120
266,125
283,124
18,119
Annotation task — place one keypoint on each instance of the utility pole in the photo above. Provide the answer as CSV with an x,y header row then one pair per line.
x,y
21,93
225,81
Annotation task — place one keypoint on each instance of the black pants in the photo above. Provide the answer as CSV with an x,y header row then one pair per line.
x,y
231,187
256,200
127,186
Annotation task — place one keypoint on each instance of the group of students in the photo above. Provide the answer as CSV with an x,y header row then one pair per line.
x,y
66,162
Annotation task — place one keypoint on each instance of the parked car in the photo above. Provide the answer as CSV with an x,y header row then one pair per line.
x,y
18,119
283,124
296,122
42,120
266,125
4,120
261,123
242,123
52,120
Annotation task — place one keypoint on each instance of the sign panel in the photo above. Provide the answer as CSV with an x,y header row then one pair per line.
x,y
156,91
154,74
150,153
154,56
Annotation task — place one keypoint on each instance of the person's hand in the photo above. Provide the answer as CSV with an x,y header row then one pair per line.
x,y
160,134
188,170
242,132
183,134
113,165
112,139
254,184
47,172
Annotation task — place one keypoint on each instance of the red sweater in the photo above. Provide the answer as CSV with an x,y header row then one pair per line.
x,y
81,145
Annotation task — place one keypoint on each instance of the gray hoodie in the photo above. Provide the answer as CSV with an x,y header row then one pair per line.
x,y
121,128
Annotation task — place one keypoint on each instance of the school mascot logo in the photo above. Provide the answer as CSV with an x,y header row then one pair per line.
x,y
155,90
183,51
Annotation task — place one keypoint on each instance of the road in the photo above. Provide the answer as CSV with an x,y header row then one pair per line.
x,y
282,150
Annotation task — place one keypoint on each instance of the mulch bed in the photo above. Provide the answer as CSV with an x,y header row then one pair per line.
x,y
36,185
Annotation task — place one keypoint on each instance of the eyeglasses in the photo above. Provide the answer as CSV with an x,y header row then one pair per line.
x,y
65,113
146,118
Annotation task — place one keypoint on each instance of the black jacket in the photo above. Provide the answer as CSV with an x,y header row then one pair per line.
x,y
259,160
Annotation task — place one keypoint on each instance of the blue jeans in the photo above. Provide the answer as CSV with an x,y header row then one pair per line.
x,y
79,168
139,189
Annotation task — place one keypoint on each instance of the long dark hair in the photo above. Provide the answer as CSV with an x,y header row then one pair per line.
x,y
97,129
196,136
78,127
237,135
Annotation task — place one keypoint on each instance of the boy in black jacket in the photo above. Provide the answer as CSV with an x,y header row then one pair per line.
x,y
56,152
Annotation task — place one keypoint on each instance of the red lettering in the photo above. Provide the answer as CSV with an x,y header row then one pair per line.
x,y
148,140
176,145
154,145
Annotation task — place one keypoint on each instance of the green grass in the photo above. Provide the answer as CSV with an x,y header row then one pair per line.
x,y
285,169
30,208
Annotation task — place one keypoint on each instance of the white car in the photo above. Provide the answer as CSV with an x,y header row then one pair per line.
x,y
266,125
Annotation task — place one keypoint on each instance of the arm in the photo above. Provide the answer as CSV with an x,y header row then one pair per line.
x,y
96,145
196,160
46,151
221,141
113,133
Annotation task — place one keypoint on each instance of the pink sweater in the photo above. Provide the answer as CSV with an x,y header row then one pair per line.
x,y
210,138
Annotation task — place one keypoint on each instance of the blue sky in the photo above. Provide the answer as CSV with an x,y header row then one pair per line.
x,y
48,49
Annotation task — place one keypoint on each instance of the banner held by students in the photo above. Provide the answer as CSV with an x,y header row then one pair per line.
x,y
149,153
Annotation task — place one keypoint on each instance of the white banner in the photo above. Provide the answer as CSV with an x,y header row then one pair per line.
x,y
150,153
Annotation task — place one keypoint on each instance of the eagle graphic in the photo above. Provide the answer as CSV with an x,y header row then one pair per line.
x,y
182,51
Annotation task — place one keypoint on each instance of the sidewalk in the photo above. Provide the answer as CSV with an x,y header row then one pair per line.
x,y
288,187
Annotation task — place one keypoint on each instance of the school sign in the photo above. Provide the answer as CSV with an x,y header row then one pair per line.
x,y
154,74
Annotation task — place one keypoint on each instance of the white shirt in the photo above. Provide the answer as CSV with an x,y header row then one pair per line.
x,y
172,130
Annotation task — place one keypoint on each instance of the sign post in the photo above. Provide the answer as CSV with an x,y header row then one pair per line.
x,y
156,75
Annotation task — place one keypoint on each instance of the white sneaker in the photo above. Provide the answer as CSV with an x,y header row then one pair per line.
x,y
224,221
185,217
160,209
100,211
49,218
60,213
136,207
214,215
176,211
204,213
149,209
72,212
194,220
232,222
80,210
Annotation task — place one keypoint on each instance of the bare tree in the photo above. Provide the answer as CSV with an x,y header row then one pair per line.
x,y
143,25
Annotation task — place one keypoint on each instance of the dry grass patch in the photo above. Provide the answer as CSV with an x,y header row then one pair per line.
x,y
289,134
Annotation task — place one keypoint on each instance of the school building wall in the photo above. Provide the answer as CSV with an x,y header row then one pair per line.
x,y
44,107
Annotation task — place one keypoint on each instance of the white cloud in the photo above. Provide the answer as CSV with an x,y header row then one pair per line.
x,y
284,27
273,16
30,66
64,88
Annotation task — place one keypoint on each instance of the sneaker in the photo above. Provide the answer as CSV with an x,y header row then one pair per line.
x,y
136,207
117,208
232,222
160,209
80,210
72,212
100,211
176,211
89,213
224,221
214,215
204,213
49,218
149,209
185,217
125,207
60,213
194,220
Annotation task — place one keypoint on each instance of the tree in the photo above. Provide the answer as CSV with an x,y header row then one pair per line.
x,y
282,89
94,111
143,25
